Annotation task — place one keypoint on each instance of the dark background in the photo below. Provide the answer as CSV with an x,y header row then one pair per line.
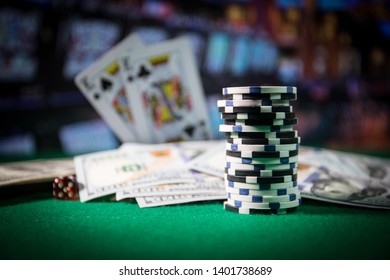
x,y
335,52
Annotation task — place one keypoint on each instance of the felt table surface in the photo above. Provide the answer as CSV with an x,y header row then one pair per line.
x,y
37,226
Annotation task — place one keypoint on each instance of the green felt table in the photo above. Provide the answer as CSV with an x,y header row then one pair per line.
x,y
37,226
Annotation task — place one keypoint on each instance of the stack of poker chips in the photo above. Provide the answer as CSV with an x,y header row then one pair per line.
x,y
261,150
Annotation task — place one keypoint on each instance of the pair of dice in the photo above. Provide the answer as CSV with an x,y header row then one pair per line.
x,y
66,188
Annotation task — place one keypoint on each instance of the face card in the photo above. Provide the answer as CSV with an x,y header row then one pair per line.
x,y
102,85
163,82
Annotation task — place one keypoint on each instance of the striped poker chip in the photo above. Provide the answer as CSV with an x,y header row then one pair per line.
x,y
257,116
278,122
254,167
263,198
276,160
262,155
262,135
265,205
264,96
261,180
262,148
249,103
260,187
277,192
251,211
258,90
253,128
260,173
264,141
256,109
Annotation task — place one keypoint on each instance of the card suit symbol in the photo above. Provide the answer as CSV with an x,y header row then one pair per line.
x,y
106,84
190,129
96,96
143,72
130,78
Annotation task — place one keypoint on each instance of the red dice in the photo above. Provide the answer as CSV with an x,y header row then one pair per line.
x,y
66,188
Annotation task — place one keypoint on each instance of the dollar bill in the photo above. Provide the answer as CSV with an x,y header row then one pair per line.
x,y
209,185
212,161
161,200
323,184
104,173
347,164
34,171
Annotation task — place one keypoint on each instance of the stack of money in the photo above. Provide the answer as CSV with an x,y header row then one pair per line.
x,y
261,150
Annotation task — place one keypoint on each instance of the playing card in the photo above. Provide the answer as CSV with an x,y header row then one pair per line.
x,y
163,83
102,85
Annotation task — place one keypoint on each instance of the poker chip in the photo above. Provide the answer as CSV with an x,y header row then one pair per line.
x,y
264,141
260,187
261,149
250,102
260,166
260,173
258,90
256,109
262,135
257,116
264,96
265,205
262,198
270,122
261,155
261,180
276,160
277,192
257,128
251,211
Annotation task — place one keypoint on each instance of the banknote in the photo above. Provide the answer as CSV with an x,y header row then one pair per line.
x,y
347,164
34,171
209,185
104,173
323,184
212,161
161,200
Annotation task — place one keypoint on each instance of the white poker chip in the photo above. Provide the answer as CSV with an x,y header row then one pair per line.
x,y
257,128
261,187
256,109
257,116
258,89
262,122
280,160
266,97
257,135
246,103
274,192
263,198
264,141
262,148
265,205
260,173
249,167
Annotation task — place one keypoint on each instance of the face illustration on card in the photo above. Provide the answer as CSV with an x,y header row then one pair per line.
x,y
164,95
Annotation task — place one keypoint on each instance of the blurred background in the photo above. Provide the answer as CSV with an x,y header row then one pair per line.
x,y
337,52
